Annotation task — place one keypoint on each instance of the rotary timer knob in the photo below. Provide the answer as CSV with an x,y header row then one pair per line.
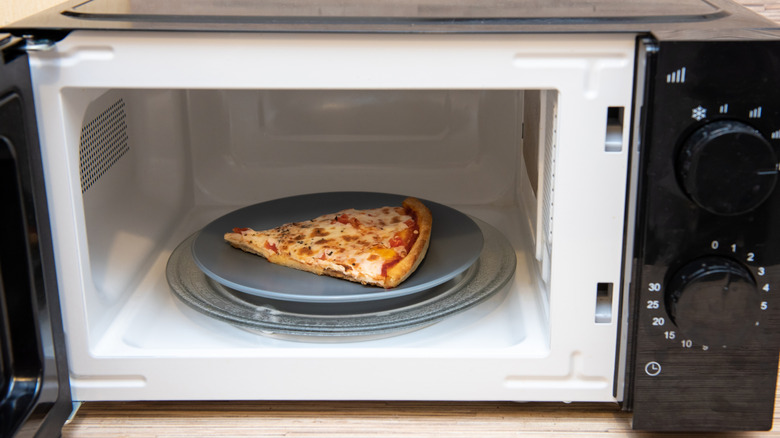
x,y
713,301
727,167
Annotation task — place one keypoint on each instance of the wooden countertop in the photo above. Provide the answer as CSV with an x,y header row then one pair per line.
x,y
353,419
358,419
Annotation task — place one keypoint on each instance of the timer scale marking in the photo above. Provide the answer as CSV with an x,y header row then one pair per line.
x,y
658,313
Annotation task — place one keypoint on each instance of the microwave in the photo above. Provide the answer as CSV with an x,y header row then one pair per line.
x,y
616,163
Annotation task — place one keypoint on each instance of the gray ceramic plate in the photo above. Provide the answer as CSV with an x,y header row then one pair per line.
x,y
494,268
456,242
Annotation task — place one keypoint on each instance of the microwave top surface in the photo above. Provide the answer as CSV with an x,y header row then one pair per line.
x,y
406,9
666,19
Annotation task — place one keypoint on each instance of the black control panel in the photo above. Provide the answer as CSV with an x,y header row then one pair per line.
x,y
706,276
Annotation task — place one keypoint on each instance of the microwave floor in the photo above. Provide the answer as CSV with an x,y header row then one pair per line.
x,y
154,320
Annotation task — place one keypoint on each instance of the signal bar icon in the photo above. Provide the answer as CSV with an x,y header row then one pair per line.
x,y
776,135
755,113
677,77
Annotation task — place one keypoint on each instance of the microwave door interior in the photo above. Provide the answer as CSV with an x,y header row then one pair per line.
x,y
33,369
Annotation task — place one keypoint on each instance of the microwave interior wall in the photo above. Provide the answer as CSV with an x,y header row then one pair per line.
x,y
148,137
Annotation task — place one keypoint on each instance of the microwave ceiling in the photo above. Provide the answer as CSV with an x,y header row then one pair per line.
x,y
667,19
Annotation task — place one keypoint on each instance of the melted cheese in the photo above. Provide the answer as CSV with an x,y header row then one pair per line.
x,y
355,243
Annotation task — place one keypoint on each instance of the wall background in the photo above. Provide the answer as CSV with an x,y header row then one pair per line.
x,y
12,10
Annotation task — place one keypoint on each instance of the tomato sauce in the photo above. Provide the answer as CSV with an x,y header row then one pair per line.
x,y
271,246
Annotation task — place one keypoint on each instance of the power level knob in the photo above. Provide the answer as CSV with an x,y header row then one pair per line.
x,y
727,167
713,301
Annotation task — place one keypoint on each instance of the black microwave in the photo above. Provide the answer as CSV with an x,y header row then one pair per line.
x,y
602,177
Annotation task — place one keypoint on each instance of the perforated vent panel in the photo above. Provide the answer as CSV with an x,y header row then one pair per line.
x,y
550,146
104,141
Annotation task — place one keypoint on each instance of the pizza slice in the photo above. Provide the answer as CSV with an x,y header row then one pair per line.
x,y
379,247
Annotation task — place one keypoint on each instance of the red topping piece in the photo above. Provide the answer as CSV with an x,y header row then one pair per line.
x,y
347,219
396,241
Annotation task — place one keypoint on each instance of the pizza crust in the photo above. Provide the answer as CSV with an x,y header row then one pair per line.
x,y
403,269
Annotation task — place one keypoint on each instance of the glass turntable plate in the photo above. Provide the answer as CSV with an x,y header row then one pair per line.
x,y
456,242
493,269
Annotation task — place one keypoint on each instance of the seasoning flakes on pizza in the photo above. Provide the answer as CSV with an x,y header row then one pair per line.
x,y
380,247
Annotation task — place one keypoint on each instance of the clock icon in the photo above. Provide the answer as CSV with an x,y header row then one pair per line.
x,y
653,368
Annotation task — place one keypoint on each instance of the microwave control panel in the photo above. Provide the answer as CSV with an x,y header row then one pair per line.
x,y
706,281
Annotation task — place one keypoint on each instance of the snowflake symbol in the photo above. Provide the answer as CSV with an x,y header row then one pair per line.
x,y
699,113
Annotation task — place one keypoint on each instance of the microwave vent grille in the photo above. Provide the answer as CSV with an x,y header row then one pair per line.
x,y
104,141
550,146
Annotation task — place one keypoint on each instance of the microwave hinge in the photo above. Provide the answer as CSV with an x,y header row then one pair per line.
x,y
9,47
34,44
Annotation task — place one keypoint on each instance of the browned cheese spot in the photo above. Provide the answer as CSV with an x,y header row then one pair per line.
x,y
306,251
319,232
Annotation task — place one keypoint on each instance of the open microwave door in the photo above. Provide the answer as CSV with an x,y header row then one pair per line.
x,y
35,398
